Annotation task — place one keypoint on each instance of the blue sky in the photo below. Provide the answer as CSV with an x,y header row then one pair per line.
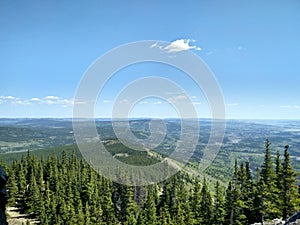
x,y
252,47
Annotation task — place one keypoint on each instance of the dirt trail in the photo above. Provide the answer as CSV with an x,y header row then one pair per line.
x,y
17,218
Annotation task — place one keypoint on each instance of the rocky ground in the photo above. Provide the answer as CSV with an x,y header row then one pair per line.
x,y
16,218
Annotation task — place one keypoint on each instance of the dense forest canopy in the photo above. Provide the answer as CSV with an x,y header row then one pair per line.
x,y
67,190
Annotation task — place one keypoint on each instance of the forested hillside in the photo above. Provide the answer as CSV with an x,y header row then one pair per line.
x,y
66,190
244,139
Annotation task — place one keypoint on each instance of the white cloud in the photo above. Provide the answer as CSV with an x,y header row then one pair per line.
x,y
35,99
7,98
10,97
55,100
52,97
181,45
21,102
177,46
48,100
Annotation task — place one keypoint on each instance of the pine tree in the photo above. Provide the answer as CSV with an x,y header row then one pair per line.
x,y
219,204
107,204
80,214
179,218
21,178
87,214
141,218
164,215
258,199
33,199
129,211
150,209
206,207
290,189
248,190
229,204
268,185
238,215
12,186
267,171
278,185
196,201
243,195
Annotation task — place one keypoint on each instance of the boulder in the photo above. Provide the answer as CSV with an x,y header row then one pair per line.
x,y
294,219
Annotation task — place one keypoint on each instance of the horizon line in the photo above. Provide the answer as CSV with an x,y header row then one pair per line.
x,y
135,118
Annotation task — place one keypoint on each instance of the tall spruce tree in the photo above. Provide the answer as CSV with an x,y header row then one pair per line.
x,y
248,190
229,200
278,185
150,208
219,205
206,206
268,184
290,190
258,199
196,201
130,210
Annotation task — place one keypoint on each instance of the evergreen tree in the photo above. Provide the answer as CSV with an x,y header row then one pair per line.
x,y
33,199
107,204
248,196
164,215
258,199
290,189
196,201
206,207
267,171
129,211
12,186
229,204
79,214
150,209
237,214
278,185
20,176
219,205
268,185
